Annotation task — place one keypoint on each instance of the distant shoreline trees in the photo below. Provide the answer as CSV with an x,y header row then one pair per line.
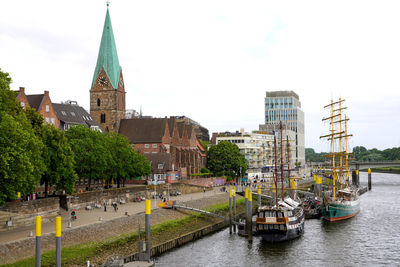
x,y
359,153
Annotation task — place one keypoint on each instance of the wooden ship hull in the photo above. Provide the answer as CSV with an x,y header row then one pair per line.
x,y
279,225
340,210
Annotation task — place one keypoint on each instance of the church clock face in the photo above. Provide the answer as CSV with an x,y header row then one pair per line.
x,y
102,81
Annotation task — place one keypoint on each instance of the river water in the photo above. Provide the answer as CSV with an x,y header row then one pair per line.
x,y
370,238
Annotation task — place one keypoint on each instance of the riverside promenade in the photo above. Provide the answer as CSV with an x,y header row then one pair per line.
x,y
85,217
16,244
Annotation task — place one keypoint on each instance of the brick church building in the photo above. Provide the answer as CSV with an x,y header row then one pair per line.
x,y
171,146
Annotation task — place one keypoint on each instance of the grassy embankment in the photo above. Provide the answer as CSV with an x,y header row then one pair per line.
x,y
127,244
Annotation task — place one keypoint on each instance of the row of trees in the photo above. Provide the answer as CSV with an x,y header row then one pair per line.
x,y
33,153
359,153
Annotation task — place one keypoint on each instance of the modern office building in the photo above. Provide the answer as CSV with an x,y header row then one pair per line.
x,y
256,147
285,106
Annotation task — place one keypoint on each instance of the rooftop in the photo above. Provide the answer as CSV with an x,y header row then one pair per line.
x,y
281,94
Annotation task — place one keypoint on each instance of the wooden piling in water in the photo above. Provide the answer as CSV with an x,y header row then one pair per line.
x,y
230,210
234,207
369,179
249,216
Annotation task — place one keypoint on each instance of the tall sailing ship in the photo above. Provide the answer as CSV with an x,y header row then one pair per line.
x,y
285,219
342,201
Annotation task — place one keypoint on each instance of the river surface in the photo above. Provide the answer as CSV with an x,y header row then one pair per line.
x,y
372,238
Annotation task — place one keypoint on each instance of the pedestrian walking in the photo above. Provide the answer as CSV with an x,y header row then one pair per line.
x,y
105,207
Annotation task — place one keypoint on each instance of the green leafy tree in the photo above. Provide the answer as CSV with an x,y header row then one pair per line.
x,y
359,152
90,153
225,159
21,163
59,160
124,163
36,120
204,170
141,166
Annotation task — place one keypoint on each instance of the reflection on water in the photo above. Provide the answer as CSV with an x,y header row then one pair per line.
x,y
370,238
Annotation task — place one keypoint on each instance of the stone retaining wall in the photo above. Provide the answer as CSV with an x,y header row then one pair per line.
x,y
22,213
32,206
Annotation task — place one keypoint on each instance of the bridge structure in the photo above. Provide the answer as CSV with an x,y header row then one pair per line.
x,y
357,165
363,165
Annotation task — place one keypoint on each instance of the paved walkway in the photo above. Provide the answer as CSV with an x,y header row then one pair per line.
x,y
85,217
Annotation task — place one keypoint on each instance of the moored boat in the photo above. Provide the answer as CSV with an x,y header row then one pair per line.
x,y
282,223
342,202
345,206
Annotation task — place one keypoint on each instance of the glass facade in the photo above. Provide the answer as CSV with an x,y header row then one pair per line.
x,y
281,109
285,106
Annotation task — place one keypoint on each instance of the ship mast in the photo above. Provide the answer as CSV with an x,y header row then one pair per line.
x,y
347,154
276,174
333,154
340,143
288,164
283,196
341,151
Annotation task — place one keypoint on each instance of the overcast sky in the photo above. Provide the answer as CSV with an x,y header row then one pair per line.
x,y
214,60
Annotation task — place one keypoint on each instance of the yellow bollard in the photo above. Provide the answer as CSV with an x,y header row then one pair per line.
x,y
58,241
38,226
38,240
58,226
148,206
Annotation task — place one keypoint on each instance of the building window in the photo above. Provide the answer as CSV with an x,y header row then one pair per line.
x,y
64,113
22,104
52,121
146,146
154,152
73,114
103,118
98,102
47,108
154,145
160,166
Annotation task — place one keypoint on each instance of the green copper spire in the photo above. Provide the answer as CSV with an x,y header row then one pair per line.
x,y
108,57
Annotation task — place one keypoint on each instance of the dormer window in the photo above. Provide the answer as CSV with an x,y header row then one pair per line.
x,y
73,114
63,112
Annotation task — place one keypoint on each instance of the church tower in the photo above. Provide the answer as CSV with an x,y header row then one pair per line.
x,y
107,93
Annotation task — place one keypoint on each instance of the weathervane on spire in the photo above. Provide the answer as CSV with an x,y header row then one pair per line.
x,y
108,2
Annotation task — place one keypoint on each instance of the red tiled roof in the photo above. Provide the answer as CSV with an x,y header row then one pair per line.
x,y
143,130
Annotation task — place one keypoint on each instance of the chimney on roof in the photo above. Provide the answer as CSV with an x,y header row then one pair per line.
x,y
22,90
